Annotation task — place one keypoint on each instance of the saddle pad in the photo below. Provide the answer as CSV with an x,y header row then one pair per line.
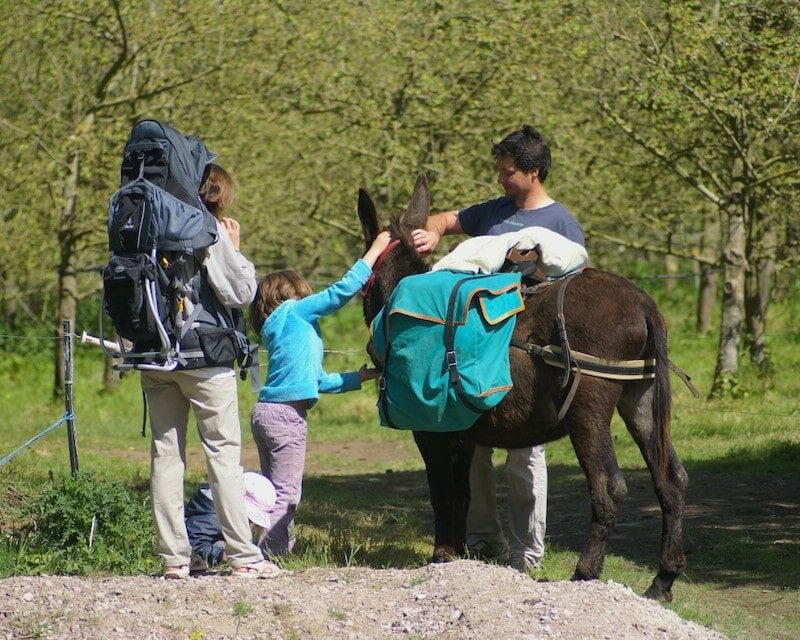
x,y
408,338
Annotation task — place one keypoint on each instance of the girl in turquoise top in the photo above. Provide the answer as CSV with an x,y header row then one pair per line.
x,y
285,313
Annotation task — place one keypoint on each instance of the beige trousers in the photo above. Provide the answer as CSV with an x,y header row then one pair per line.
x,y
526,476
215,404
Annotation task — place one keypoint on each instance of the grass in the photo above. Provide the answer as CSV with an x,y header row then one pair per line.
x,y
365,500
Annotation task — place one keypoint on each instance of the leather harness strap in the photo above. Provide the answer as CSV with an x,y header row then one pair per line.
x,y
371,279
550,354
561,325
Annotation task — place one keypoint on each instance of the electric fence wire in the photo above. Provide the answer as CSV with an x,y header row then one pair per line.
x,y
66,417
359,351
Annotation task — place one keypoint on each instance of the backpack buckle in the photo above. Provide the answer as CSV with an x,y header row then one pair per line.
x,y
452,366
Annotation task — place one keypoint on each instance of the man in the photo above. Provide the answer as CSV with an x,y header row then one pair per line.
x,y
523,161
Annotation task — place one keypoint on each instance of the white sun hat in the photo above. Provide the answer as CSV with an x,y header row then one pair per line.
x,y
259,497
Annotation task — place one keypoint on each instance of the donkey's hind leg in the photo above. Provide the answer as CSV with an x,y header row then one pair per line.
x,y
591,438
669,480
447,459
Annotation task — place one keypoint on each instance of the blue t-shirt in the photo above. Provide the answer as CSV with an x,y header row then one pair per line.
x,y
501,215
292,338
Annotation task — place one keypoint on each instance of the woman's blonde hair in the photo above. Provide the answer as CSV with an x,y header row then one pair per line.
x,y
217,190
273,289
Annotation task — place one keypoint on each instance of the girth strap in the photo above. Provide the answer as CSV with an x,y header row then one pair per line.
x,y
592,365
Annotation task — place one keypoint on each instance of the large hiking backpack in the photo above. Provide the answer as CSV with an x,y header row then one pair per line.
x,y
155,288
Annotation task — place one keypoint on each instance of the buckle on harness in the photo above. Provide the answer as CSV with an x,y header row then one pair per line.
x,y
452,366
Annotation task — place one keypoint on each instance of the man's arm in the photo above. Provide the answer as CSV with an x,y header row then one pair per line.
x,y
441,224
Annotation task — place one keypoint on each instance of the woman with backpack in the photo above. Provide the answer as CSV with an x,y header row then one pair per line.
x,y
210,391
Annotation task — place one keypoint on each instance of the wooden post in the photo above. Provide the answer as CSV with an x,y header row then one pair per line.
x,y
71,441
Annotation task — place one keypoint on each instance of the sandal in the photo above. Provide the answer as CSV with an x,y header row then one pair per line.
x,y
178,572
263,569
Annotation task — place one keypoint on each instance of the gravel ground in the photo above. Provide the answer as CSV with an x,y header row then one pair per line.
x,y
463,600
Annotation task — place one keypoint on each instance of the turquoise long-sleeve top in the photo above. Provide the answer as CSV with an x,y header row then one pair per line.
x,y
293,341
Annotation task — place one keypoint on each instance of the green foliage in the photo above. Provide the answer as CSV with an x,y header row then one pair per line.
x,y
728,386
337,614
80,524
241,609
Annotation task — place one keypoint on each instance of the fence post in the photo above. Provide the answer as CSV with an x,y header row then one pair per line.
x,y
73,445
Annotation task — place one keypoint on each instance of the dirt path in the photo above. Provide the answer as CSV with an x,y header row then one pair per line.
x,y
461,600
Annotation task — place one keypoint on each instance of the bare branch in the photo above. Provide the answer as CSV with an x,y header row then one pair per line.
x,y
119,61
653,248
774,177
660,154
336,225
130,99
39,142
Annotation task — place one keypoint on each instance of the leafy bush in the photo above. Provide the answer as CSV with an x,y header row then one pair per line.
x,y
58,534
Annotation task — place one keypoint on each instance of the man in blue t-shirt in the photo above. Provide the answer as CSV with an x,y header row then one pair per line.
x,y
523,161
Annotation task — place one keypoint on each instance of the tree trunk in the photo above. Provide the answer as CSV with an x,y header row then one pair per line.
x,y
732,305
733,259
707,289
670,270
706,296
758,287
67,281
10,305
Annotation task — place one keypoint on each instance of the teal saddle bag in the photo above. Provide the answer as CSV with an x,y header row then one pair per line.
x,y
442,343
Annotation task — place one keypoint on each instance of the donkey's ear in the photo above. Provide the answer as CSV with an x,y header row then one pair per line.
x,y
418,208
368,216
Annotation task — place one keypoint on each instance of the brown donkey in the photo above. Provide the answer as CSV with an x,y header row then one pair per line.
x,y
606,316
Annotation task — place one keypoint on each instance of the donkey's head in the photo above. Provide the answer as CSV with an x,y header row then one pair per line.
x,y
400,259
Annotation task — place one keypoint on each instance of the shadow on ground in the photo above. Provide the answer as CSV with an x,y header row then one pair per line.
x,y
741,528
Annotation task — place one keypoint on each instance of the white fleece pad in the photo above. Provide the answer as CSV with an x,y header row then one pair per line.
x,y
485,254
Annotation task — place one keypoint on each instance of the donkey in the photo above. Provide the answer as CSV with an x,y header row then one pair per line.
x,y
606,316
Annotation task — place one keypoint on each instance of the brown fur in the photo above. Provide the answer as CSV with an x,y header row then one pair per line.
x,y
606,316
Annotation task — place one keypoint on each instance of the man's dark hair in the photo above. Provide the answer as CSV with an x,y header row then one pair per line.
x,y
528,148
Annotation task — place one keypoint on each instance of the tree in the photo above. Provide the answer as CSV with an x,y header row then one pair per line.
x,y
79,74
711,93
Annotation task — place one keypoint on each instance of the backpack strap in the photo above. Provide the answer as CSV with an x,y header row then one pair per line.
x,y
382,391
449,345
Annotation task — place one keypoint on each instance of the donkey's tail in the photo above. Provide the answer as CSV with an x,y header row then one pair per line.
x,y
662,395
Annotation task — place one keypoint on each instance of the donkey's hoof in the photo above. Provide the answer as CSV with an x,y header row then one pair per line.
x,y
444,554
661,588
579,577
658,593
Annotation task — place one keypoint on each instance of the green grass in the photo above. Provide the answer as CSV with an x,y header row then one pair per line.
x,y
365,501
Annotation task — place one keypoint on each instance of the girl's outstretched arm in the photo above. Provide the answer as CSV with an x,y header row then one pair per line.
x,y
336,296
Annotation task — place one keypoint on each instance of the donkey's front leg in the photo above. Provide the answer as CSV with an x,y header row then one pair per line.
x,y
447,458
462,452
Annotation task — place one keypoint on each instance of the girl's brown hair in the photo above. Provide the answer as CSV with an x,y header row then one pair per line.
x,y
273,289
217,190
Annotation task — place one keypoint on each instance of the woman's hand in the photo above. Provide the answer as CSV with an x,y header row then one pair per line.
x,y
231,226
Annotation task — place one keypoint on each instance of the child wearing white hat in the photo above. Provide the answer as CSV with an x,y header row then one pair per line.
x,y
203,527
